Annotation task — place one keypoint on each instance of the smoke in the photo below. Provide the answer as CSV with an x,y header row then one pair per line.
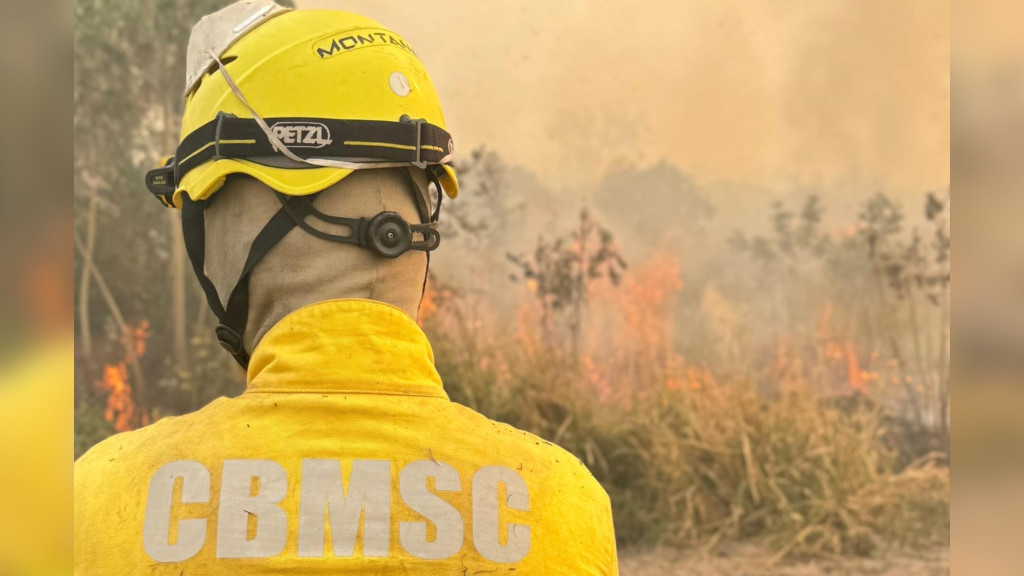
x,y
773,93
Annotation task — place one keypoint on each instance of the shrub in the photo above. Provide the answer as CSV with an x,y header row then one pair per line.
x,y
690,459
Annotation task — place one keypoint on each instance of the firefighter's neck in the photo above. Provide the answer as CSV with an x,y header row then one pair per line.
x,y
301,269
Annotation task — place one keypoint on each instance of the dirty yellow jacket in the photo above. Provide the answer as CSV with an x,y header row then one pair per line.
x,y
343,456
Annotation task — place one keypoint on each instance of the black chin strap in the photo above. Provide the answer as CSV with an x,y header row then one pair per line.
x,y
235,316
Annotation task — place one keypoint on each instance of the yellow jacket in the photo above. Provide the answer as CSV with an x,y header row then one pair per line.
x,y
343,456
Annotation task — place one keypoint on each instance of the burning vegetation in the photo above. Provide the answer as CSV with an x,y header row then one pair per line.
x,y
121,410
819,428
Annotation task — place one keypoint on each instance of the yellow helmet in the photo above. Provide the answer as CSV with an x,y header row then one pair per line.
x,y
298,100
302,99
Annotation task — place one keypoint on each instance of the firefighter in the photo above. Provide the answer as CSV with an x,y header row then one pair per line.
x,y
310,174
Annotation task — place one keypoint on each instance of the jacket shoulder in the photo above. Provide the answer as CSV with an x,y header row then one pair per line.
x,y
578,510
143,441
563,469
108,454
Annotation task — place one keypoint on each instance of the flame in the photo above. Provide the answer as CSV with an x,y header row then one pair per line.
x,y
853,371
687,377
139,335
647,309
595,377
428,304
843,351
436,295
629,332
699,378
628,345
121,410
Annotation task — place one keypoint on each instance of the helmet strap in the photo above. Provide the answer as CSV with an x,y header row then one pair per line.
x,y
387,234
233,317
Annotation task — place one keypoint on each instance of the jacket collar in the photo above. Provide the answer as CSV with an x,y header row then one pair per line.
x,y
345,346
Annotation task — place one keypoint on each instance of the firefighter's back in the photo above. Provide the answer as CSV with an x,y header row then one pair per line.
x,y
310,173
343,467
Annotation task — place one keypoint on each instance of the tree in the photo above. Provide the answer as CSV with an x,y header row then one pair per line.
x,y
787,258
128,91
911,274
560,271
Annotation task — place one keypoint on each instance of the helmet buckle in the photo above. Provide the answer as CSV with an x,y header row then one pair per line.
x,y
229,339
216,133
419,122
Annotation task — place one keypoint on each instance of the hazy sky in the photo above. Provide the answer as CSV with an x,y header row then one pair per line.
x,y
804,93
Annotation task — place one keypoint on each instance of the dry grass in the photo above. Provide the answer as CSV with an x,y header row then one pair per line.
x,y
750,560
691,460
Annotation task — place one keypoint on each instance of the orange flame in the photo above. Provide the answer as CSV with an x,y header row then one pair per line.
x,y
646,304
140,334
854,373
594,376
631,329
428,305
121,410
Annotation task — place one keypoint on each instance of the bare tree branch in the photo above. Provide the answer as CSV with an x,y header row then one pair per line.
x,y
85,327
115,311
